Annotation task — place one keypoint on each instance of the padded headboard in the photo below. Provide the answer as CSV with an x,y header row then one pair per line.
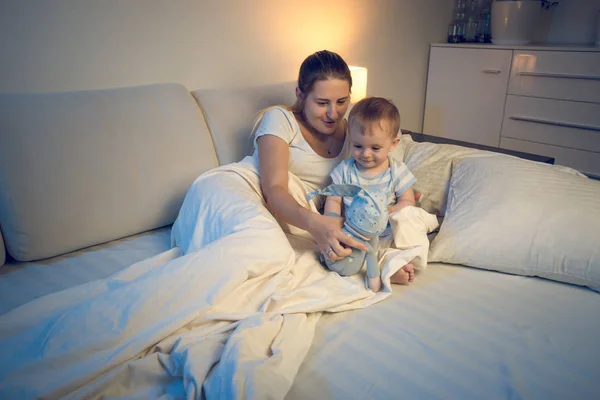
x,y
231,113
82,168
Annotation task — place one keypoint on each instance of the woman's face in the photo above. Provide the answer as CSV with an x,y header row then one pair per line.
x,y
326,104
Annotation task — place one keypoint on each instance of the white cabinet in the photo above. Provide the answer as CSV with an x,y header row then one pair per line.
x,y
466,91
540,99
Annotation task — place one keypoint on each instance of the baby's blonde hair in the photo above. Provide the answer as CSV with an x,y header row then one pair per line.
x,y
375,109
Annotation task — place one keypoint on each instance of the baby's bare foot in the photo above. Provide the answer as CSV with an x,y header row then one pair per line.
x,y
404,275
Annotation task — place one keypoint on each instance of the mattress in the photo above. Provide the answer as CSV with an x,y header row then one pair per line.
x,y
23,282
460,333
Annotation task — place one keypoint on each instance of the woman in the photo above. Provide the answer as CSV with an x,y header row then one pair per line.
x,y
309,140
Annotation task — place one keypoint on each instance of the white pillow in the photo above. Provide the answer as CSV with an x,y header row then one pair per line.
x,y
231,130
431,164
85,167
523,218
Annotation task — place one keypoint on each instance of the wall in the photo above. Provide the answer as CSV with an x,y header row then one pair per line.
x,y
56,45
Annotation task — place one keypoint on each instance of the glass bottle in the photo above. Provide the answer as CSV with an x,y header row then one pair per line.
x,y
483,27
471,20
456,28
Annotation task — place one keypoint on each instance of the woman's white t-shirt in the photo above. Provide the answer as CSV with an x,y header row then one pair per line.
x,y
307,165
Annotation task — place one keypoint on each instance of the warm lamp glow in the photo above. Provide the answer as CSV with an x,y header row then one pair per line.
x,y
359,83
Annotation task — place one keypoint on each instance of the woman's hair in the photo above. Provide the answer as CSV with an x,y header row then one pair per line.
x,y
320,66
375,109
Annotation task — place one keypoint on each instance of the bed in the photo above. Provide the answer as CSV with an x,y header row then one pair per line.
x,y
101,296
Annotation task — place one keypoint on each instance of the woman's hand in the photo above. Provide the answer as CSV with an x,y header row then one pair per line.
x,y
332,241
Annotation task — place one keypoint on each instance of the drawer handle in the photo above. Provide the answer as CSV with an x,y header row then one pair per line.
x,y
552,75
556,123
491,71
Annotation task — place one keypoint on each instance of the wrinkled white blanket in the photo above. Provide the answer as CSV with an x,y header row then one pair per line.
x,y
229,312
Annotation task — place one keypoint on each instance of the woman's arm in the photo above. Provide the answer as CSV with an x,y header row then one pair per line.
x,y
405,199
273,156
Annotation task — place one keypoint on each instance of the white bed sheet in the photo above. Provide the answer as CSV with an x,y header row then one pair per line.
x,y
456,332
23,282
460,333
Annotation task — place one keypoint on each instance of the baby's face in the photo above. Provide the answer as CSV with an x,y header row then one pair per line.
x,y
371,147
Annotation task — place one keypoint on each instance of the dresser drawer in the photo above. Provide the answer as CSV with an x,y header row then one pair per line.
x,y
585,161
560,75
569,124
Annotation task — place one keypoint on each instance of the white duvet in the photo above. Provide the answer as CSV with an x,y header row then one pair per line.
x,y
230,311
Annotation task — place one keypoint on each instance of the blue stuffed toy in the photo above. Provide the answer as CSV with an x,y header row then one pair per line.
x,y
366,219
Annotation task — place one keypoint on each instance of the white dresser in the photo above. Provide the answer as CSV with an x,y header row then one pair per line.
x,y
537,99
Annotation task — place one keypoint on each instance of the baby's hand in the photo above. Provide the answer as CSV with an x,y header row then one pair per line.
x,y
417,196
401,204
